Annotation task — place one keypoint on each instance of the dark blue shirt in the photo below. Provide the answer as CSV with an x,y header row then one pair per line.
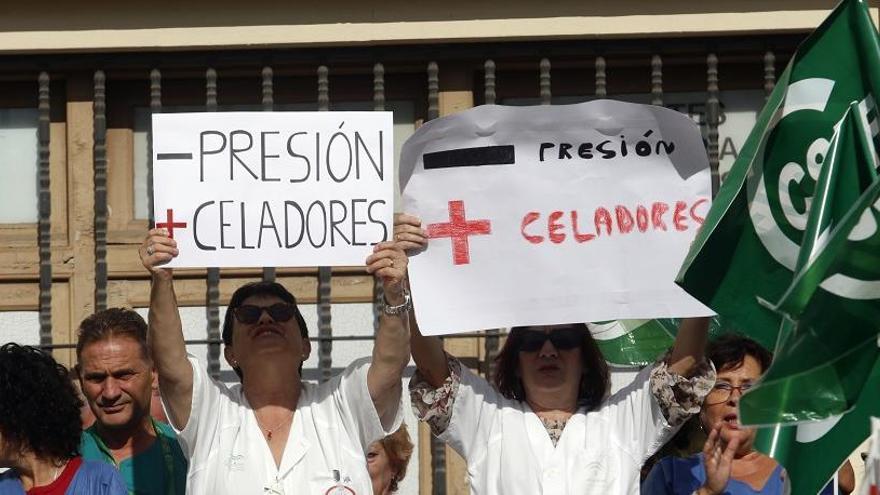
x,y
683,476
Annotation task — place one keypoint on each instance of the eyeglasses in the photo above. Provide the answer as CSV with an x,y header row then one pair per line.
x,y
563,339
250,314
722,391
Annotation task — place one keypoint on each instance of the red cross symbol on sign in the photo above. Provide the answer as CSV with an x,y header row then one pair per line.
x,y
170,224
459,229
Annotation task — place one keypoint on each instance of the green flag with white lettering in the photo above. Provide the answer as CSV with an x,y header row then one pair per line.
x,y
843,330
748,247
828,345
828,361
792,233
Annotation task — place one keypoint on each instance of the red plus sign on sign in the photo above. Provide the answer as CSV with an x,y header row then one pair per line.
x,y
169,224
553,214
459,230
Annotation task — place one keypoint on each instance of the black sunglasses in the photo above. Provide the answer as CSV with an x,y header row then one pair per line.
x,y
562,339
250,314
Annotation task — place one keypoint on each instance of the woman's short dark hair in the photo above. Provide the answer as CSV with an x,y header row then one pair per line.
x,y
399,448
260,289
39,409
729,350
595,380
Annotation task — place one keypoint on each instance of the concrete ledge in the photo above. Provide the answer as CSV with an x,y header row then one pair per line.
x,y
381,33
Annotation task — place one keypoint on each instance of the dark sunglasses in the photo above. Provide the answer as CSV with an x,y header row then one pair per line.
x,y
563,339
250,314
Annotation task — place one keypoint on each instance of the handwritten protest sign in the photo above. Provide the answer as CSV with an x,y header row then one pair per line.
x,y
553,214
273,189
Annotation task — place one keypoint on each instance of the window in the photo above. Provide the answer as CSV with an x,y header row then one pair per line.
x,y
18,165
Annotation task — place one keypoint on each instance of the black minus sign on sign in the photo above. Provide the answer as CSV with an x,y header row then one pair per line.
x,y
470,157
174,156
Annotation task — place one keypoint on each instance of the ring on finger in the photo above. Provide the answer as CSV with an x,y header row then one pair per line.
x,y
150,250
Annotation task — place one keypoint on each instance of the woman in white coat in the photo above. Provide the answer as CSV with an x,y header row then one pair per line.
x,y
546,424
274,433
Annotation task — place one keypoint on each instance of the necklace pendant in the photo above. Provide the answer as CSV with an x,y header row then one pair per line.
x,y
269,435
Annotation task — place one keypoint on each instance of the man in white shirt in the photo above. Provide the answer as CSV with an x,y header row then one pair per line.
x,y
274,433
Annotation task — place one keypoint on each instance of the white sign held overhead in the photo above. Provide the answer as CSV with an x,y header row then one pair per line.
x,y
251,189
553,214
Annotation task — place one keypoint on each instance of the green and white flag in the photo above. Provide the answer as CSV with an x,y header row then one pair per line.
x,y
816,450
636,343
793,231
633,342
829,362
748,247
828,346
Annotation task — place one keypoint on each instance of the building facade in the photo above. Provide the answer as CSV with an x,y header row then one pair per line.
x,y
79,81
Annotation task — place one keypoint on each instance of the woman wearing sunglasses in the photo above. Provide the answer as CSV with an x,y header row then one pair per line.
x,y
728,464
274,433
546,424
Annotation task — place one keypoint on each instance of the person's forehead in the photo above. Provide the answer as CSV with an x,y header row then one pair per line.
x,y
262,300
750,369
119,350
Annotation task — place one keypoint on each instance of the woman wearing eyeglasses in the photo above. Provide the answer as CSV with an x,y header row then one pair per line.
x,y
728,464
274,433
545,424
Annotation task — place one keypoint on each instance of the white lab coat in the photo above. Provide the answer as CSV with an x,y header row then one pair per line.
x,y
509,452
332,428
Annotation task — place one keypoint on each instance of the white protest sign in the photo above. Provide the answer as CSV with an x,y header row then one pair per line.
x,y
252,189
553,214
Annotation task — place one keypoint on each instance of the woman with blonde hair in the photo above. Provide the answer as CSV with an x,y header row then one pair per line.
x,y
387,460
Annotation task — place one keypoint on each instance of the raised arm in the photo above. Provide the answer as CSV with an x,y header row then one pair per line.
x,y
427,352
166,331
690,343
391,348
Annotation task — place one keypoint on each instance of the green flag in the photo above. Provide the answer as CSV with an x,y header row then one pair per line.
x,y
816,450
633,342
749,245
636,343
828,363
829,342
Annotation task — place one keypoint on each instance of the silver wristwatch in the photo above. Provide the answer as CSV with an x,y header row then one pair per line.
x,y
400,308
